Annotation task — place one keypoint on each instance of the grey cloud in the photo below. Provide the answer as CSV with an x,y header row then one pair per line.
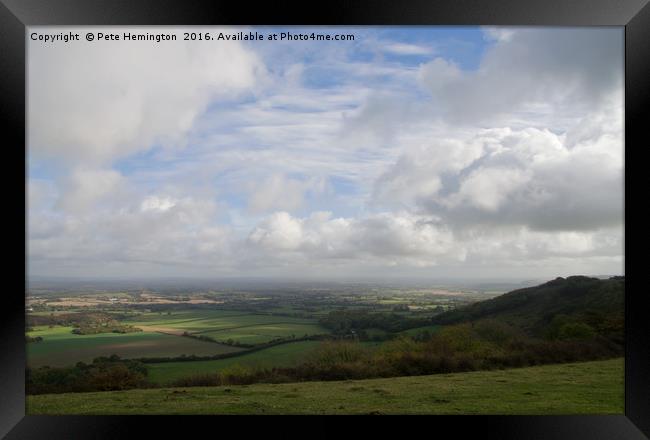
x,y
537,70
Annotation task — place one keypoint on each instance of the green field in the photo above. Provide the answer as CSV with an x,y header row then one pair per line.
x,y
580,388
277,356
60,347
259,334
194,320
236,326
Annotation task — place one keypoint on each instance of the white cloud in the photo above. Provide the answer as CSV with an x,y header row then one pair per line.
x,y
498,34
95,102
320,237
402,239
526,177
155,203
280,231
407,49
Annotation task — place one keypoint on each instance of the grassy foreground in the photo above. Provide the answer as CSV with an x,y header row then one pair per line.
x,y
579,388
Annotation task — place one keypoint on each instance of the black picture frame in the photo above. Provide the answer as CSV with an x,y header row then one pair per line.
x,y
16,15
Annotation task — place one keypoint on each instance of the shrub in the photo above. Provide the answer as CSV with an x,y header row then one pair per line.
x,y
115,377
103,374
239,375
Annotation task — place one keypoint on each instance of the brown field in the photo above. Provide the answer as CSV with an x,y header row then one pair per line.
x,y
161,329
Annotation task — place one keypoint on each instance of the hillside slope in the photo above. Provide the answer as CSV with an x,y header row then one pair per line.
x,y
578,388
596,302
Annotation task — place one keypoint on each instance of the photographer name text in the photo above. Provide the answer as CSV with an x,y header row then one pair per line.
x,y
68,37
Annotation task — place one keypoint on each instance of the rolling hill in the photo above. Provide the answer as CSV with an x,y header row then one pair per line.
x,y
598,303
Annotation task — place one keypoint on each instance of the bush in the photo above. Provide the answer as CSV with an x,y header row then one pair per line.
x,y
104,374
115,377
337,352
239,375
497,332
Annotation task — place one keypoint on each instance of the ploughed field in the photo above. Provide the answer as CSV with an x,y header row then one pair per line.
x,y
578,388
165,335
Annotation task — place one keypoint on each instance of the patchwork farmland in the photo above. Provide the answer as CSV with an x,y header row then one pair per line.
x,y
61,347
238,328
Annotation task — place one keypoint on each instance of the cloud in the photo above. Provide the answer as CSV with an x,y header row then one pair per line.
x,y
83,188
488,189
95,102
407,240
380,236
418,173
526,177
406,49
498,33
159,204
278,232
151,229
299,159
558,71
279,192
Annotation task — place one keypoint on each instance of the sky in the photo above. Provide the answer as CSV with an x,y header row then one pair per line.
x,y
423,152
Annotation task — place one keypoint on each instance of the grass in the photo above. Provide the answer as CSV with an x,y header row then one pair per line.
x,y
277,356
60,347
579,388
